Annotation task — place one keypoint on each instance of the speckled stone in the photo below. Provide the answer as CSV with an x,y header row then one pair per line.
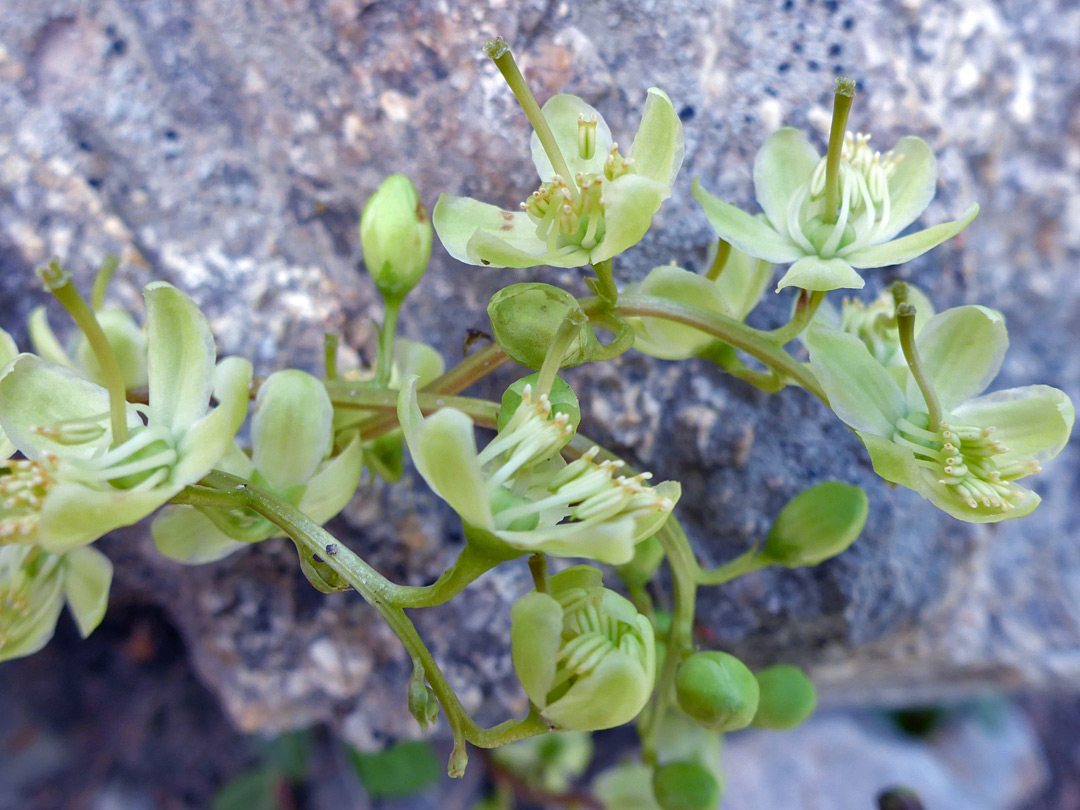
x,y
228,147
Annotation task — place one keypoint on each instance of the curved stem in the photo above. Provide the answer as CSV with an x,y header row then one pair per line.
x,y
605,276
729,330
805,309
467,568
745,563
723,250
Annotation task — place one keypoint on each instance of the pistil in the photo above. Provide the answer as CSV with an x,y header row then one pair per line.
x,y
845,94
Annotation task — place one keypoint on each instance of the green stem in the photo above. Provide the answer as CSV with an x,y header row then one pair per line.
x,y
723,250
539,570
728,359
467,568
729,330
472,368
227,491
684,570
845,94
743,564
58,282
500,54
805,309
385,362
330,355
605,276
344,394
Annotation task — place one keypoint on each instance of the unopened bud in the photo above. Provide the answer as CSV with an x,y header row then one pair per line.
x,y
686,785
816,524
787,697
395,234
648,554
717,690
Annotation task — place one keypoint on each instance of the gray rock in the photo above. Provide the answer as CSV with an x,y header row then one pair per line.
x,y
228,149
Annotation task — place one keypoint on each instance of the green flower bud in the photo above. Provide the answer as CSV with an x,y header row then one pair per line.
x,y
686,785
562,399
787,697
816,524
526,317
717,690
648,554
395,234
585,656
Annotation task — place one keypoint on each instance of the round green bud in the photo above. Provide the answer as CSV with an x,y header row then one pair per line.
x,y
787,697
686,785
717,690
526,317
395,234
648,554
816,524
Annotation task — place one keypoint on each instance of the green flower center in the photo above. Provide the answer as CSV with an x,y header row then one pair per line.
x,y
24,485
563,218
874,324
963,458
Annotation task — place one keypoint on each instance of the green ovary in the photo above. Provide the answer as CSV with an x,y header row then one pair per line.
x,y
962,458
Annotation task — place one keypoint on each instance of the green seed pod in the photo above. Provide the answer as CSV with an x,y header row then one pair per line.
x,y
787,697
395,234
816,524
686,785
526,317
648,554
717,690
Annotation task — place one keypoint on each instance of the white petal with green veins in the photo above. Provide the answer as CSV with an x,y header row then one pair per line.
x,y
180,357
291,427
210,438
334,484
1033,422
749,234
185,534
814,273
961,351
629,204
907,248
783,164
912,186
658,147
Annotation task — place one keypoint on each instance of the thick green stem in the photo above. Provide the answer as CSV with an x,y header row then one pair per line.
x,y
723,250
805,309
845,94
467,568
500,54
743,564
229,492
58,282
330,355
729,330
385,363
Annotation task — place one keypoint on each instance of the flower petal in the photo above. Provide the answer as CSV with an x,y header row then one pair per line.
x,y
185,534
75,514
8,352
815,273
209,439
1033,422
908,247
894,463
666,339
611,542
658,147
32,630
411,357
291,428
34,394
536,623
749,234
562,113
860,390
87,577
629,204
180,357
947,500
477,233
128,343
613,693
44,340
332,487
783,164
961,350
743,282
443,449
911,188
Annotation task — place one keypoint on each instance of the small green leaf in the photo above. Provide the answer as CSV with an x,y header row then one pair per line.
x,y
402,770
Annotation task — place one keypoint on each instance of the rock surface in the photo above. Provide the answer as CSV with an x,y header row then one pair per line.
x,y
228,148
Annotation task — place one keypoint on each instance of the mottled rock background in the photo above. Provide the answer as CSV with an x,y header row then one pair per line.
x,y
228,147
